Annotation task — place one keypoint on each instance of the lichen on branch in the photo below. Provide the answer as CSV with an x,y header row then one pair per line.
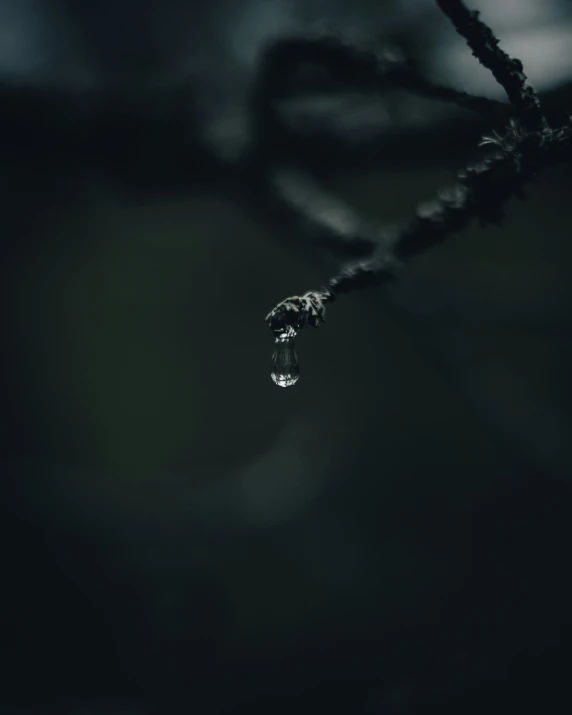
x,y
507,71
527,145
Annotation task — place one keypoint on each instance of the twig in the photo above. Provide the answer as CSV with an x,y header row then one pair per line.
x,y
416,83
507,71
481,192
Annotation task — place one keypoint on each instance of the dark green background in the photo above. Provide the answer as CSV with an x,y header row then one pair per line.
x,y
392,535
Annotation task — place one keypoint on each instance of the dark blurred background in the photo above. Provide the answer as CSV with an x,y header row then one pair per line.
x,y
392,535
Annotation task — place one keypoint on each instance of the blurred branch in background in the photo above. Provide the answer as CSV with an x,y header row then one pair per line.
x,y
320,64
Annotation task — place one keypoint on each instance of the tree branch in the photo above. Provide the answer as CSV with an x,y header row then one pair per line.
x,y
507,71
481,192
417,84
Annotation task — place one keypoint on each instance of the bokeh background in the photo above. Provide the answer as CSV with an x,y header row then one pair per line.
x,y
392,535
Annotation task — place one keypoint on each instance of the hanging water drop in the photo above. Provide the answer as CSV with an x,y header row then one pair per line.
x,y
286,369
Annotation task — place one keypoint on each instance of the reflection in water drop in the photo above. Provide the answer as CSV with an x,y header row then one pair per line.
x,y
286,369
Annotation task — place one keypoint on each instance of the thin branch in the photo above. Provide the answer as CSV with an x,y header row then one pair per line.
x,y
481,192
417,84
507,70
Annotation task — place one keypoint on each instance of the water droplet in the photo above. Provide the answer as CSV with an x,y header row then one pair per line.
x,y
286,369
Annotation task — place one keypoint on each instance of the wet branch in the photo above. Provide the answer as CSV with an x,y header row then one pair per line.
x,y
481,192
507,70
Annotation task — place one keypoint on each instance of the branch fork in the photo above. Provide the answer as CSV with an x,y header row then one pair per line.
x,y
527,145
